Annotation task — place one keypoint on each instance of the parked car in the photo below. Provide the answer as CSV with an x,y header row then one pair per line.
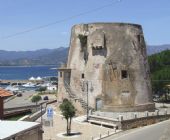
x,y
19,94
45,98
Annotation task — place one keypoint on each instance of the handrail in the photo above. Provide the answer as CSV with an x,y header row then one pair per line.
x,y
74,96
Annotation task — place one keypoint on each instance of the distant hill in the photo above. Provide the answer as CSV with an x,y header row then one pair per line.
x,y
38,57
152,49
11,55
49,56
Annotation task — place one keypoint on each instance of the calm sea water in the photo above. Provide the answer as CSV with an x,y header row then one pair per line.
x,y
24,73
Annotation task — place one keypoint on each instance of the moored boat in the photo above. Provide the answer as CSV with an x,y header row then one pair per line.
x,y
29,85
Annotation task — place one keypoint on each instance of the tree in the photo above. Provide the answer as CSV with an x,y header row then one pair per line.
x,y
160,72
36,99
68,111
42,89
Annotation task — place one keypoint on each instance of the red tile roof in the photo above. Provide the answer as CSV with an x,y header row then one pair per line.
x,y
4,93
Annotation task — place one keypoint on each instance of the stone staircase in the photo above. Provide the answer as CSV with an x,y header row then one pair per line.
x,y
74,96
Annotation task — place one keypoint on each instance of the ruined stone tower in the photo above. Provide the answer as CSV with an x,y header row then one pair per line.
x,y
112,59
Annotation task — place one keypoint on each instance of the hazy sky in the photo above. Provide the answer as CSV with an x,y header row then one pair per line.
x,y
17,16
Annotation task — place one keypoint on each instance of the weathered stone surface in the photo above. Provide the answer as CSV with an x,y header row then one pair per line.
x,y
112,58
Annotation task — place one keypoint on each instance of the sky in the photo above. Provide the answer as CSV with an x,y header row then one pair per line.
x,y
23,22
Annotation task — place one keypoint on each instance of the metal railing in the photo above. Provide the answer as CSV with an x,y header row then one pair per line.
x,y
77,97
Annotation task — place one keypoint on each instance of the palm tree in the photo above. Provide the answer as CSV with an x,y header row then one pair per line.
x,y
68,111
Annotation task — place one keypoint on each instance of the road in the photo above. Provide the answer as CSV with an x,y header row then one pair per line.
x,y
159,131
24,100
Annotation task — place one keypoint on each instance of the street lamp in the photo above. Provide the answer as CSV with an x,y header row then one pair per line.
x,y
86,84
41,111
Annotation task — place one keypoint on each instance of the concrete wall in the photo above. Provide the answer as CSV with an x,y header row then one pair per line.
x,y
32,134
139,122
129,123
112,58
1,108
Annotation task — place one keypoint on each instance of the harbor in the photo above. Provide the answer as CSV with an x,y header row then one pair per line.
x,y
17,82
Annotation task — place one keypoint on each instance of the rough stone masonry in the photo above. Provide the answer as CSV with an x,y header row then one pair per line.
x,y
112,59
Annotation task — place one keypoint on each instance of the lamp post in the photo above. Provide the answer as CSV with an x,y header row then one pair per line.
x,y
87,100
41,111
86,84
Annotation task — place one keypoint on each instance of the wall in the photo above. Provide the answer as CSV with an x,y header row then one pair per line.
x,y
139,122
131,123
1,107
31,134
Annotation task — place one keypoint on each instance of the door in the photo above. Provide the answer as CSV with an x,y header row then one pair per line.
x,y
99,104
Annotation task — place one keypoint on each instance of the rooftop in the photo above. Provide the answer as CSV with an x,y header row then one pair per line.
x,y
4,93
11,128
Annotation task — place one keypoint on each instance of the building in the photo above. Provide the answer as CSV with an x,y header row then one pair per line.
x,y
51,87
3,94
107,62
20,130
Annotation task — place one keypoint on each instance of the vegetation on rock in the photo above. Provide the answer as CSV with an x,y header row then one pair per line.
x,y
83,40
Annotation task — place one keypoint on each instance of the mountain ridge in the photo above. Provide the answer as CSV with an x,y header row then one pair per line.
x,y
38,57
51,56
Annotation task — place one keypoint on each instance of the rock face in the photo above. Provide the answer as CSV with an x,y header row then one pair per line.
x,y
112,59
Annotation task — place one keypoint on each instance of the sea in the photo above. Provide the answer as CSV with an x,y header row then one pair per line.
x,y
25,72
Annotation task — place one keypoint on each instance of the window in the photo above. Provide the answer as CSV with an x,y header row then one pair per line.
x,y
82,76
138,37
60,74
99,50
124,74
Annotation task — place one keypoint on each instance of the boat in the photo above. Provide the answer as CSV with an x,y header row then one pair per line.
x,y
29,85
12,88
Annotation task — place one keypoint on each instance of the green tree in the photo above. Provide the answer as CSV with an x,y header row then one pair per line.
x,y
36,99
160,72
42,89
68,111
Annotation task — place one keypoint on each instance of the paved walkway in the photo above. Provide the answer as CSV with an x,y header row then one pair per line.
x,y
159,131
86,130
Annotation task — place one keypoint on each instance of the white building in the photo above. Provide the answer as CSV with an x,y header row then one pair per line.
x,y
51,87
20,130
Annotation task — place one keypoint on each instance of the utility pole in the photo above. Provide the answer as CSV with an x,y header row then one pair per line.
x,y
87,101
41,112
86,87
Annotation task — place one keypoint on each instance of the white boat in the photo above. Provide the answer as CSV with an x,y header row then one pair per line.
x,y
44,85
12,88
29,85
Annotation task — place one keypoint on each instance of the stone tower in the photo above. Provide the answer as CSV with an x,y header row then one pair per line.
x,y
112,59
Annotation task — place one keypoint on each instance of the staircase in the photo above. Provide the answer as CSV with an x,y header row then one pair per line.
x,y
74,96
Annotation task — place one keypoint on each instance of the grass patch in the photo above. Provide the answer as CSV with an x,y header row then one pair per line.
x,y
47,92
17,117
163,106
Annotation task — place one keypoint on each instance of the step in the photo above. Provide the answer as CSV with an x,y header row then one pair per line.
x,y
103,123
